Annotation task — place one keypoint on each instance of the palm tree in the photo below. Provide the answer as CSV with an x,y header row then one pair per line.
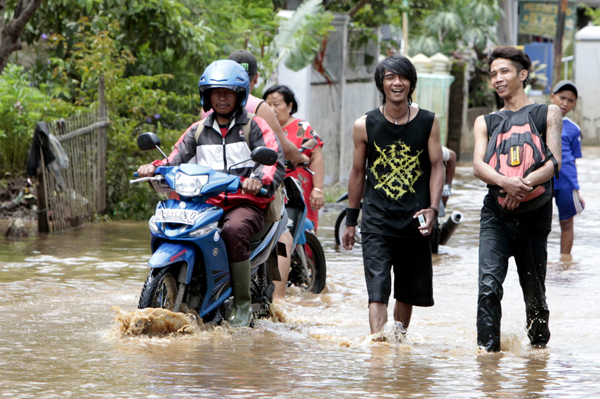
x,y
458,24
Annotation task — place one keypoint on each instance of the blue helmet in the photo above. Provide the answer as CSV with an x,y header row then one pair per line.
x,y
226,74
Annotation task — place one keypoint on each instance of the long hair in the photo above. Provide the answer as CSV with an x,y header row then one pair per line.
x,y
518,58
401,66
286,92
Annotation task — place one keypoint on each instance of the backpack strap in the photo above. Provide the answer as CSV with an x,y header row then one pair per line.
x,y
246,128
195,131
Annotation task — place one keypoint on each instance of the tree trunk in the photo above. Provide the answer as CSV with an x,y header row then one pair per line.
x,y
10,35
560,30
357,8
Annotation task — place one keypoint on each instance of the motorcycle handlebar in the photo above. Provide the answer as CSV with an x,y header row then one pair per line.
x,y
289,166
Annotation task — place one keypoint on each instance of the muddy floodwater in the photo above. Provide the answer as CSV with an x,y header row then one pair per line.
x,y
58,337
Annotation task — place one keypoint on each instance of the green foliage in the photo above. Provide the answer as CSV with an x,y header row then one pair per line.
x,y
455,25
380,12
21,108
300,36
135,104
151,54
593,13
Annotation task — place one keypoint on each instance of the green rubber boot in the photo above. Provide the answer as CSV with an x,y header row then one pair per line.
x,y
241,314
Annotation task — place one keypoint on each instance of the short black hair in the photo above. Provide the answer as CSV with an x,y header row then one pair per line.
x,y
287,93
401,66
518,58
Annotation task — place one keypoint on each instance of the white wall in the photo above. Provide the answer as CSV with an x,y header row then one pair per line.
x,y
587,79
299,82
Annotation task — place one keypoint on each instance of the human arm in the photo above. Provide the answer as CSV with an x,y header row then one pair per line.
x,y
554,143
356,182
270,176
516,187
450,166
290,151
436,180
317,165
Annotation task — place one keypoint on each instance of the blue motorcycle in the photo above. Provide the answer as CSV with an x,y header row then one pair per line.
x,y
189,268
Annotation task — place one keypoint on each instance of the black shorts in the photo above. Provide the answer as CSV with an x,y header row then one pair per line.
x,y
413,270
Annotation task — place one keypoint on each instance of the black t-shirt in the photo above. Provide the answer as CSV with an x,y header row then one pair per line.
x,y
541,217
397,174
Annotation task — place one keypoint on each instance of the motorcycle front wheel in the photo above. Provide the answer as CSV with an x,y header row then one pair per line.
x,y
315,258
340,226
159,290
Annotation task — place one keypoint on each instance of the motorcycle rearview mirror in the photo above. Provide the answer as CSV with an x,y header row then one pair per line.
x,y
149,141
264,155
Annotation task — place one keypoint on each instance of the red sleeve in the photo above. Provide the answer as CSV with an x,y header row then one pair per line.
x,y
309,133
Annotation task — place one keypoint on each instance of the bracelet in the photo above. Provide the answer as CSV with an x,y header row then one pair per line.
x,y
318,190
434,211
352,216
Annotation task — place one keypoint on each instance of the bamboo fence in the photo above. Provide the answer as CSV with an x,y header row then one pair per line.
x,y
83,195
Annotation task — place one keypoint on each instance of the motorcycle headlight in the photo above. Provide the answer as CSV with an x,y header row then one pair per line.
x,y
153,227
189,186
204,230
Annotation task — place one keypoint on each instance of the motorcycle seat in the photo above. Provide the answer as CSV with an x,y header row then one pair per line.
x,y
255,239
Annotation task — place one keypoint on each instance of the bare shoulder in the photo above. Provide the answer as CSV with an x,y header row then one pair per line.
x,y
359,130
361,122
554,119
480,126
554,113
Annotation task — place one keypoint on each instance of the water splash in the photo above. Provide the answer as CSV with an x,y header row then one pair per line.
x,y
154,322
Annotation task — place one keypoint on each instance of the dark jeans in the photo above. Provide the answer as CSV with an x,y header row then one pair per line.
x,y
239,224
499,239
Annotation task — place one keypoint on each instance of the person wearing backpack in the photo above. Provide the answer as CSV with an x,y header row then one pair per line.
x,y
517,211
566,188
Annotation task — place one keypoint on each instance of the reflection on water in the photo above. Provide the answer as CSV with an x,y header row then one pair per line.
x,y
59,338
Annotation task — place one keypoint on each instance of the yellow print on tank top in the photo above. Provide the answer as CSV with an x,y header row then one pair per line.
x,y
396,170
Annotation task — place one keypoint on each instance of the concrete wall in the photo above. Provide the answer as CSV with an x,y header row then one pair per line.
x,y
587,78
325,108
333,98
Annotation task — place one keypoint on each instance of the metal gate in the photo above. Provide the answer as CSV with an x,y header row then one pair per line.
x,y
78,194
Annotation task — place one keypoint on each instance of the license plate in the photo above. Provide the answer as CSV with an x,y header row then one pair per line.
x,y
182,216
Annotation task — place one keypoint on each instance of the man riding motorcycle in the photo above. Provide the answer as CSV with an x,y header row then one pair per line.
x,y
218,142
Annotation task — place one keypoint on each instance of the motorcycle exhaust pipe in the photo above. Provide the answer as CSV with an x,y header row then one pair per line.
x,y
449,226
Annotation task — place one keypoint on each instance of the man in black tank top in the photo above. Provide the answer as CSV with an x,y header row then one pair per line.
x,y
402,180
504,234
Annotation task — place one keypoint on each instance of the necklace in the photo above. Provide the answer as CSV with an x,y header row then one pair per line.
x,y
401,116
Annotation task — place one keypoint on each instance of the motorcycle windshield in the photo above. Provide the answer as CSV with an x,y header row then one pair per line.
x,y
215,184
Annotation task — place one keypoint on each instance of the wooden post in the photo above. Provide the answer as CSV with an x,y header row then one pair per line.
x,y
101,142
560,30
42,203
342,109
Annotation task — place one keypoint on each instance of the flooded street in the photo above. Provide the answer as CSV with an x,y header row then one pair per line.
x,y
58,336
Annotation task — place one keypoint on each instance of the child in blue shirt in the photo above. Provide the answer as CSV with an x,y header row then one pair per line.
x,y
566,187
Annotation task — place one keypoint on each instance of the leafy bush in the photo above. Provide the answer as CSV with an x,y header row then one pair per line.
x,y
135,104
21,108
